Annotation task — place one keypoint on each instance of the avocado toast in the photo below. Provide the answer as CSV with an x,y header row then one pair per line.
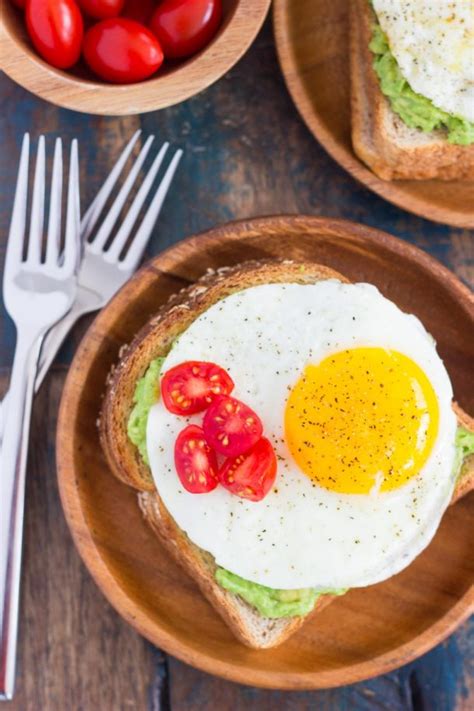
x,y
395,131
120,418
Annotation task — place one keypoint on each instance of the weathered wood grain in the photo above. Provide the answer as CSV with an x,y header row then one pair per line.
x,y
246,152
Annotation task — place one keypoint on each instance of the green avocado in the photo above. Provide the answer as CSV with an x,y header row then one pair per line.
x,y
464,443
147,391
416,110
268,602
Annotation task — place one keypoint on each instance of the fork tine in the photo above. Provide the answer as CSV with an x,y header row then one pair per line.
x,y
72,241
16,236
89,220
120,239
37,207
54,223
143,233
107,226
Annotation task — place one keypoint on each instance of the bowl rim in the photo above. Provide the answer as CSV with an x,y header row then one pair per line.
x,y
125,605
197,73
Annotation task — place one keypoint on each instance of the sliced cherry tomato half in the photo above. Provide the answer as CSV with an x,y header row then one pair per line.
x,y
251,475
195,461
185,26
101,9
56,29
191,386
231,427
122,51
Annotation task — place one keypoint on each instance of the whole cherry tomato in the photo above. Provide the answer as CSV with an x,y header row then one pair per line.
x,y
101,9
56,29
195,461
185,26
231,427
139,10
122,51
250,475
191,386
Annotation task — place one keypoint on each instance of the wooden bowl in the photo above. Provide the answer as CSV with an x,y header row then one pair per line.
x,y
368,631
80,90
313,48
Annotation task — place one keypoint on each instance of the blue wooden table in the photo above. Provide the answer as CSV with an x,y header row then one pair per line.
x,y
246,153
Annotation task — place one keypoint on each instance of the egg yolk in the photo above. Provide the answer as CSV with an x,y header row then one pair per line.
x,y
362,420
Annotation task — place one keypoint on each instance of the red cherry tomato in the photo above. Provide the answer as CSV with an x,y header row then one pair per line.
x,y
56,29
101,9
195,461
185,26
191,386
251,475
122,51
139,10
19,3
231,427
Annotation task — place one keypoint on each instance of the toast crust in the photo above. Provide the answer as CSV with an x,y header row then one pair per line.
x,y
155,340
465,482
245,622
379,136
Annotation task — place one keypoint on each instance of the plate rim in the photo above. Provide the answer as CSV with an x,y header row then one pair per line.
x,y
90,553
388,190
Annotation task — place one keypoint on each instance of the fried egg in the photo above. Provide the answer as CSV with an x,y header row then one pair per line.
x,y
357,404
433,43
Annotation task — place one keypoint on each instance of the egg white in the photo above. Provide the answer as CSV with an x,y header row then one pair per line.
x,y
302,535
433,43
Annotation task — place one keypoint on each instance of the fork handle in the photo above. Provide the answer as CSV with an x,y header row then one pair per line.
x,y
51,345
12,500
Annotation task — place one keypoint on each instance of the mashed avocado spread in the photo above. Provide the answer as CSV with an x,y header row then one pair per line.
x,y
416,110
145,395
464,447
268,602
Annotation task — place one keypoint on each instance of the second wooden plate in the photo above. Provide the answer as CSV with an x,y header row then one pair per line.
x,y
368,631
313,48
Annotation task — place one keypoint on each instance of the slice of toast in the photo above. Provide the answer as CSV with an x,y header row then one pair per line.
x,y
155,340
380,137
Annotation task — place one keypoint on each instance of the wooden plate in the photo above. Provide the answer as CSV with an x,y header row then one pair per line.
x,y
313,49
365,633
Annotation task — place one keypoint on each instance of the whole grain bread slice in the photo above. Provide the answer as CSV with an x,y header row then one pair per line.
x,y
380,137
155,340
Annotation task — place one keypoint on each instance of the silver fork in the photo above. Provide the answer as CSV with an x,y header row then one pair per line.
x,y
38,290
104,267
